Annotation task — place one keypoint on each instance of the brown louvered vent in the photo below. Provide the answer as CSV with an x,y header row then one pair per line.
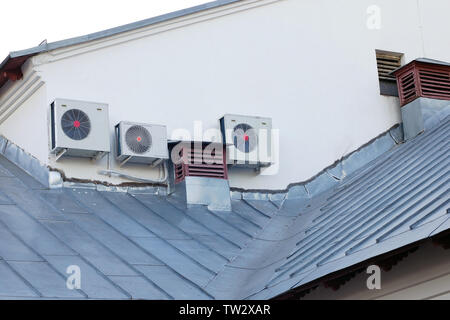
x,y
201,161
423,79
388,62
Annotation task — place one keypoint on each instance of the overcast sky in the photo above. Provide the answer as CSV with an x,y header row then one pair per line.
x,y
26,23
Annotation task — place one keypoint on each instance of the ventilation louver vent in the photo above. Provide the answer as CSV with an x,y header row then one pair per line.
x,y
407,87
421,79
435,83
199,162
388,62
138,139
76,124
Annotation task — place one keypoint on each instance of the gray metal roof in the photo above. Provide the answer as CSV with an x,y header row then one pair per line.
x,y
140,245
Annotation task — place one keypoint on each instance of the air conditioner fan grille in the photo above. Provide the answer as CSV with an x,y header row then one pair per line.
x,y
76,124
245,138
138,139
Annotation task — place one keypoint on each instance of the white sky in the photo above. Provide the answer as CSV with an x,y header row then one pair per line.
x,y
26,23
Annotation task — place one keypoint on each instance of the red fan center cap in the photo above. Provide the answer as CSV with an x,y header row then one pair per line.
x,y
139,139
76,124
246,137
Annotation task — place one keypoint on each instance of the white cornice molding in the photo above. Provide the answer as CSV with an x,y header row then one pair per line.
x,y
18,95
67,52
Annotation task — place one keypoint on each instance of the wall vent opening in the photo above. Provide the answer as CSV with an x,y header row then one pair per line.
x,y
386,63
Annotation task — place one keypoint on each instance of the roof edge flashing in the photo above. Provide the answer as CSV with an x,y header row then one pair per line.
x,y
423,114
322,182
30,164
211,192
333,174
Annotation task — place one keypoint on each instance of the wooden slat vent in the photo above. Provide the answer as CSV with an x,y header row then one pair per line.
x,y
388,62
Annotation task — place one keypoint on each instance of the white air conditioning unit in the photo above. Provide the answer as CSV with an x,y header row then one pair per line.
x,y
248,140
79,129
141,143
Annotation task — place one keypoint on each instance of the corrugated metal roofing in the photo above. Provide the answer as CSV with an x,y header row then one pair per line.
x,y
139,245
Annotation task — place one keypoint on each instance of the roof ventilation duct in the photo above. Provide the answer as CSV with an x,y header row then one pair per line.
x,y
424,91
199,172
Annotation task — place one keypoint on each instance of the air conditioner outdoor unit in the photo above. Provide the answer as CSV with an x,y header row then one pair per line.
x,y
79,129
141,143
248,140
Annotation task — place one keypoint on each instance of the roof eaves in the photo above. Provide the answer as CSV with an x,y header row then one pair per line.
x,y
123,28
113,31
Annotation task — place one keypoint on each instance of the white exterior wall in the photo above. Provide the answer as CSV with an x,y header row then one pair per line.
x,y
424,274
28,127
310,65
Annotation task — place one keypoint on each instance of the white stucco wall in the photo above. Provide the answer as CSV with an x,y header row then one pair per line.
x,y
310,65
27,127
